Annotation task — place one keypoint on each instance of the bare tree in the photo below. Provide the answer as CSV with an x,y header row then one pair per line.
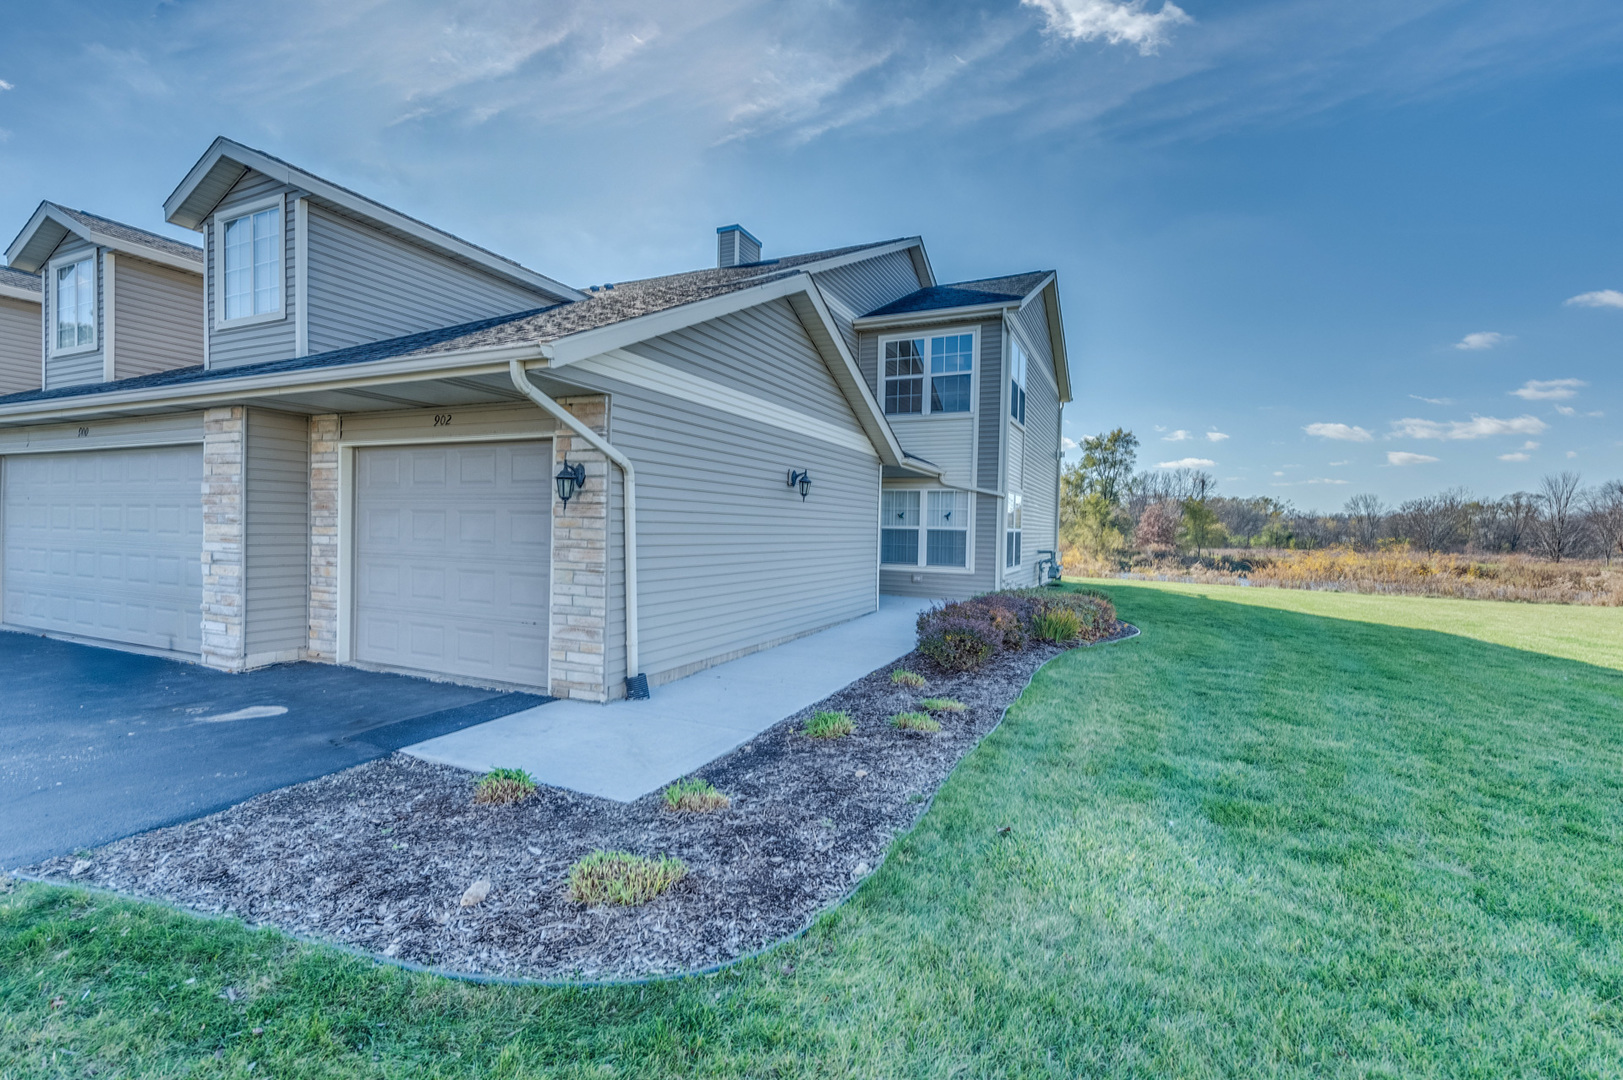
x,y
1605,512
1365,514
1435,522
1559,528
1158,526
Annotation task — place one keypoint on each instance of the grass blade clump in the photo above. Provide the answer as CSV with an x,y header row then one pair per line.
x,y
619,877
1057,624
502,786
915,721
941,704
695,796
826,724
911,679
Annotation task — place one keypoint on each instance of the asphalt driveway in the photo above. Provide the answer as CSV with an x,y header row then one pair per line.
x,y
97,744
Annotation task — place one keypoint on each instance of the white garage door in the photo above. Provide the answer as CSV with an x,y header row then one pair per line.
x,y
107,544
452,556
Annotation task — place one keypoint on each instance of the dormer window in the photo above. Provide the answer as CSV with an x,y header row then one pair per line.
x,y
250,247
75,305
946,361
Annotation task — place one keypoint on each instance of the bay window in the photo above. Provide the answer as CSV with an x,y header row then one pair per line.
x,y
75,304
945,361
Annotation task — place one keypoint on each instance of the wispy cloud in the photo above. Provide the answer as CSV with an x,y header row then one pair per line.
x,y
1343,432
1516,456
1433,400
1478,427
1186,463
6,86
1338,464
1601,298
1123,23
1403,457
1482,339
1177,436
1068,443
1304,483
1549,389
1215,436
1530,445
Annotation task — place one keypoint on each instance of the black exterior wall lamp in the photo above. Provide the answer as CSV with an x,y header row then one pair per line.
x,y
802,479
570,480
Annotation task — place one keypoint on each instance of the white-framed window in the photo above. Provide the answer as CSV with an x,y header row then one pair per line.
x,y
929,373
1017,380
248,248
73,305
924,528
1012,526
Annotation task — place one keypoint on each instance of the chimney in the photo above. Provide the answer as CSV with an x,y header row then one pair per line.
x,y
735,246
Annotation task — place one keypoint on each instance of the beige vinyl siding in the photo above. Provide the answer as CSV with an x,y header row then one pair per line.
x,y
158,315
77,368
238,345
987,555
20,344
861,287
366,285
276,559
763,351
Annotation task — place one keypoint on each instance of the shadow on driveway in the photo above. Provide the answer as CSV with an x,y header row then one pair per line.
x,y
97,744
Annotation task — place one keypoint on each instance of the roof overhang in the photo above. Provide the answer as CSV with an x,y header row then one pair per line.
x,y
968,312
226,161
1056,337
14,292
50,225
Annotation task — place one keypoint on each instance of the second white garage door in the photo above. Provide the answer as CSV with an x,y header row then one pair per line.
x,y
453,559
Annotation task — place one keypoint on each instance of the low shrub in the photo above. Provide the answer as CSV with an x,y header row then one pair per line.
x,y
959,643
965,634
695,796
829,725
915,721
1057,624
500,786
942,704
619,877
912,679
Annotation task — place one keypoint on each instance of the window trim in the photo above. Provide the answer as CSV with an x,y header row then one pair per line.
x,y
1025,377
923,529
1014,509
222,218
93,257
972,329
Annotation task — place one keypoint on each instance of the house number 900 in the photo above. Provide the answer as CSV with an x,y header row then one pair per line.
x,y
441,419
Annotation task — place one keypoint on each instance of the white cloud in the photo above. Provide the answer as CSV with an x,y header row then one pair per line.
x,y
1482,339
1068,443
1478,427
1186,463
1600,298
1433,400
1572,453
1338,464
1315,480
1517,456
1403,457
6,86
1177,436
1549,389
1530,445
1215,436
1566,410
1344,432
1120,22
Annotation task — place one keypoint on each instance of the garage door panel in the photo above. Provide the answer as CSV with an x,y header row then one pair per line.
x,y
453,559
107,544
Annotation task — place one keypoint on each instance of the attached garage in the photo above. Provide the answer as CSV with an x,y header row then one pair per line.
x,y
452,557
106,544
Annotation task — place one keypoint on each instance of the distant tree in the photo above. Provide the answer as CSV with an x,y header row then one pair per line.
x,y
1245,519
1605,511
1200,528
1366,516
1558,531
1107,464
1090,492
1518,513
1158,527
1434,522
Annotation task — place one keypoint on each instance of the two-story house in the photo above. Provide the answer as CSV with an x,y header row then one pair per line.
x,y
19,331
402,451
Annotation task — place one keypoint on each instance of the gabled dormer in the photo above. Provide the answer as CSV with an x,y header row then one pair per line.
x,y
117,301
297,265
19,330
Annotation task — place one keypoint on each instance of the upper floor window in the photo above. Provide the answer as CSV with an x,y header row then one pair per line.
x,y
75,305
251,258
1017,381
947,361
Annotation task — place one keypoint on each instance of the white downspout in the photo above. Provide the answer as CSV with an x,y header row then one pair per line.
x,y
522,382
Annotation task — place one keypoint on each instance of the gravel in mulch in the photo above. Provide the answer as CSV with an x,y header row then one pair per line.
x,y
379,857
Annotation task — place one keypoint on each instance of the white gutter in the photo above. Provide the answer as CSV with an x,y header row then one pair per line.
x,y
521,381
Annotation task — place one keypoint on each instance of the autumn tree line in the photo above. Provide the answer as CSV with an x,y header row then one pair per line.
x,y
1109,507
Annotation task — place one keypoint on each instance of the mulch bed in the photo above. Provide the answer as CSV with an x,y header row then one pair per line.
x,y
378,857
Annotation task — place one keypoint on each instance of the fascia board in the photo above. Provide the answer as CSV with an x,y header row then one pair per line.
x,y
17,253
1056,336
47,212
363,207
835,261
13,292
866,406
588,343
935,315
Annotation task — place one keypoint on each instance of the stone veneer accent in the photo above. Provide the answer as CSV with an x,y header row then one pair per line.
x,y
580,545
224,514
323,642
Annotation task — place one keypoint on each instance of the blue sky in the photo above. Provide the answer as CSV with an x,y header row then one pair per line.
x,y
1343,236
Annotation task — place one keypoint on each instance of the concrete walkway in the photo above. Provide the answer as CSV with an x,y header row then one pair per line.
x,y
628,748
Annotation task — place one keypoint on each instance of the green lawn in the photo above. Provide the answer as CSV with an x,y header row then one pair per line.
x,y
1280,834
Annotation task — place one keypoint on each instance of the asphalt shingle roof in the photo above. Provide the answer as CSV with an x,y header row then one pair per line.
x,y
19,279
965,294
604,307
132,235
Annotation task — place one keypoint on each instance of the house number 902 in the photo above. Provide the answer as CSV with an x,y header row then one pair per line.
x,y
442,419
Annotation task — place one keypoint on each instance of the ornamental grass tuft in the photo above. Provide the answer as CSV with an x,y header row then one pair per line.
x,y
826,724
915,721
695,796
619,877
910,679
504,786
941,704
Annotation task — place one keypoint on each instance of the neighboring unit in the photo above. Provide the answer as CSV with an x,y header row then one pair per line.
x,y
19,331
401,451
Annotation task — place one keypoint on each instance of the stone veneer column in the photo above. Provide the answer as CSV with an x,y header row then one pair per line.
x,y
580,579
323,642
224,513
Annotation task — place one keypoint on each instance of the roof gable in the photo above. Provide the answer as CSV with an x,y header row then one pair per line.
x,y
19,284
51,224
